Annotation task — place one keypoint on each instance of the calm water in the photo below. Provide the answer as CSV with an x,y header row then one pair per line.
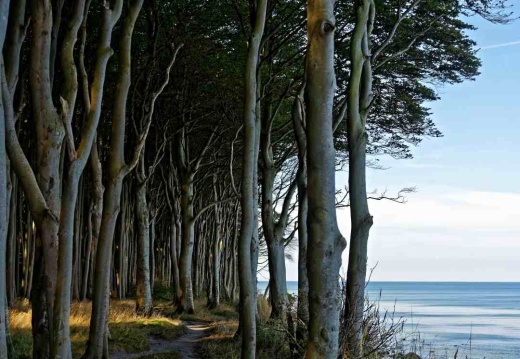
x,y
481,319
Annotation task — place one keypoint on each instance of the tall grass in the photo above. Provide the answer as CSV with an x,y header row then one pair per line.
x,y
128,332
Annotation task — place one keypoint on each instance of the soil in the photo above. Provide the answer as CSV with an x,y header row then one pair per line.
x,y
187,345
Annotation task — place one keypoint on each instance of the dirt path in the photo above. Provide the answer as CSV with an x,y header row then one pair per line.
x,y
186,345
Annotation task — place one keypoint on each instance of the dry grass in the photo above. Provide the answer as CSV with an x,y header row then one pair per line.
x,y
272,342
128,332
225,312
264,308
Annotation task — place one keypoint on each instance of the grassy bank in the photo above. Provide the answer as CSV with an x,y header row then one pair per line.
x,y
128,332
131,334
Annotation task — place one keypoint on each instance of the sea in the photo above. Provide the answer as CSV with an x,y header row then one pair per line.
x,y
474,320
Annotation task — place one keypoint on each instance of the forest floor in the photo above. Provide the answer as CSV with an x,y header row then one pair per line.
x,y
186,346
206,334
163,335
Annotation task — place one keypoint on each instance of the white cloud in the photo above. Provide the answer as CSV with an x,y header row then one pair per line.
x,y
446,234
442,234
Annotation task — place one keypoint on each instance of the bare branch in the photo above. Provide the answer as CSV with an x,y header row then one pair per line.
x,y
142,138
392,33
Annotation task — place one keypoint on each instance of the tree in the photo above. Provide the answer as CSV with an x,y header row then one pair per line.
x,y
249,167
359,98
4,329
394,50
149,96
325,241
118,169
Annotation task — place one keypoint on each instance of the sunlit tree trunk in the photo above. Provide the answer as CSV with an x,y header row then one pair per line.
x,y
118,169
144,303
325,241
218,240
249,167
4,200
273,235
50,134
359,98
298,116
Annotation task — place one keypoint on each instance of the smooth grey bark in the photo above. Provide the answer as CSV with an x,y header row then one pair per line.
x,y
118,169
78,159
145,255
94,223
214,299
186,303
249,167
176,287
97,201
50,133
298,116
188,169
174,234
144,305
61,346
359,99
325,241
151,256
186,178
13,43
272,228
255,238
4,198
100,300
11,262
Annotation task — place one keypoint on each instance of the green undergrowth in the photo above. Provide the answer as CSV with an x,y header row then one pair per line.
x,y
271,342
128,332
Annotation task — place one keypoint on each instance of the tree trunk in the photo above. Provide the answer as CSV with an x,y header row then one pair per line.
x,y
278,284
176,288
249,167
188,238
4,329
325,241
97,346
101,295
61,344
274,240
359,98
216,250
303,207
97,200
151,256
78,160
143,297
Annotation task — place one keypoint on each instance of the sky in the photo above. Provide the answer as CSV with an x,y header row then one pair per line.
x,y
463,223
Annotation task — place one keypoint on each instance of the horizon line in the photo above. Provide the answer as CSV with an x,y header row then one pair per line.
x,y
420,281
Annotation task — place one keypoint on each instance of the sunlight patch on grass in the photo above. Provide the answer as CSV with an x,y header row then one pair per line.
x,y
128,331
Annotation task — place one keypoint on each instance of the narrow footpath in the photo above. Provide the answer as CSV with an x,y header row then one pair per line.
x,y
187,345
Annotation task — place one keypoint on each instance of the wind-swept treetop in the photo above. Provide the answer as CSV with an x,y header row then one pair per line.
x,y
417,47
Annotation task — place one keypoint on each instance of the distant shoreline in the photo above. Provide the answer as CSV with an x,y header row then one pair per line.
x,y
419,281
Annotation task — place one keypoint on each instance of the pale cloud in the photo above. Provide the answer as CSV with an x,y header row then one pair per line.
x,y
442,233
445,234
452,208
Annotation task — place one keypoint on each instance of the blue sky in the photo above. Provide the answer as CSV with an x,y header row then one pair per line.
x,y
463,224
